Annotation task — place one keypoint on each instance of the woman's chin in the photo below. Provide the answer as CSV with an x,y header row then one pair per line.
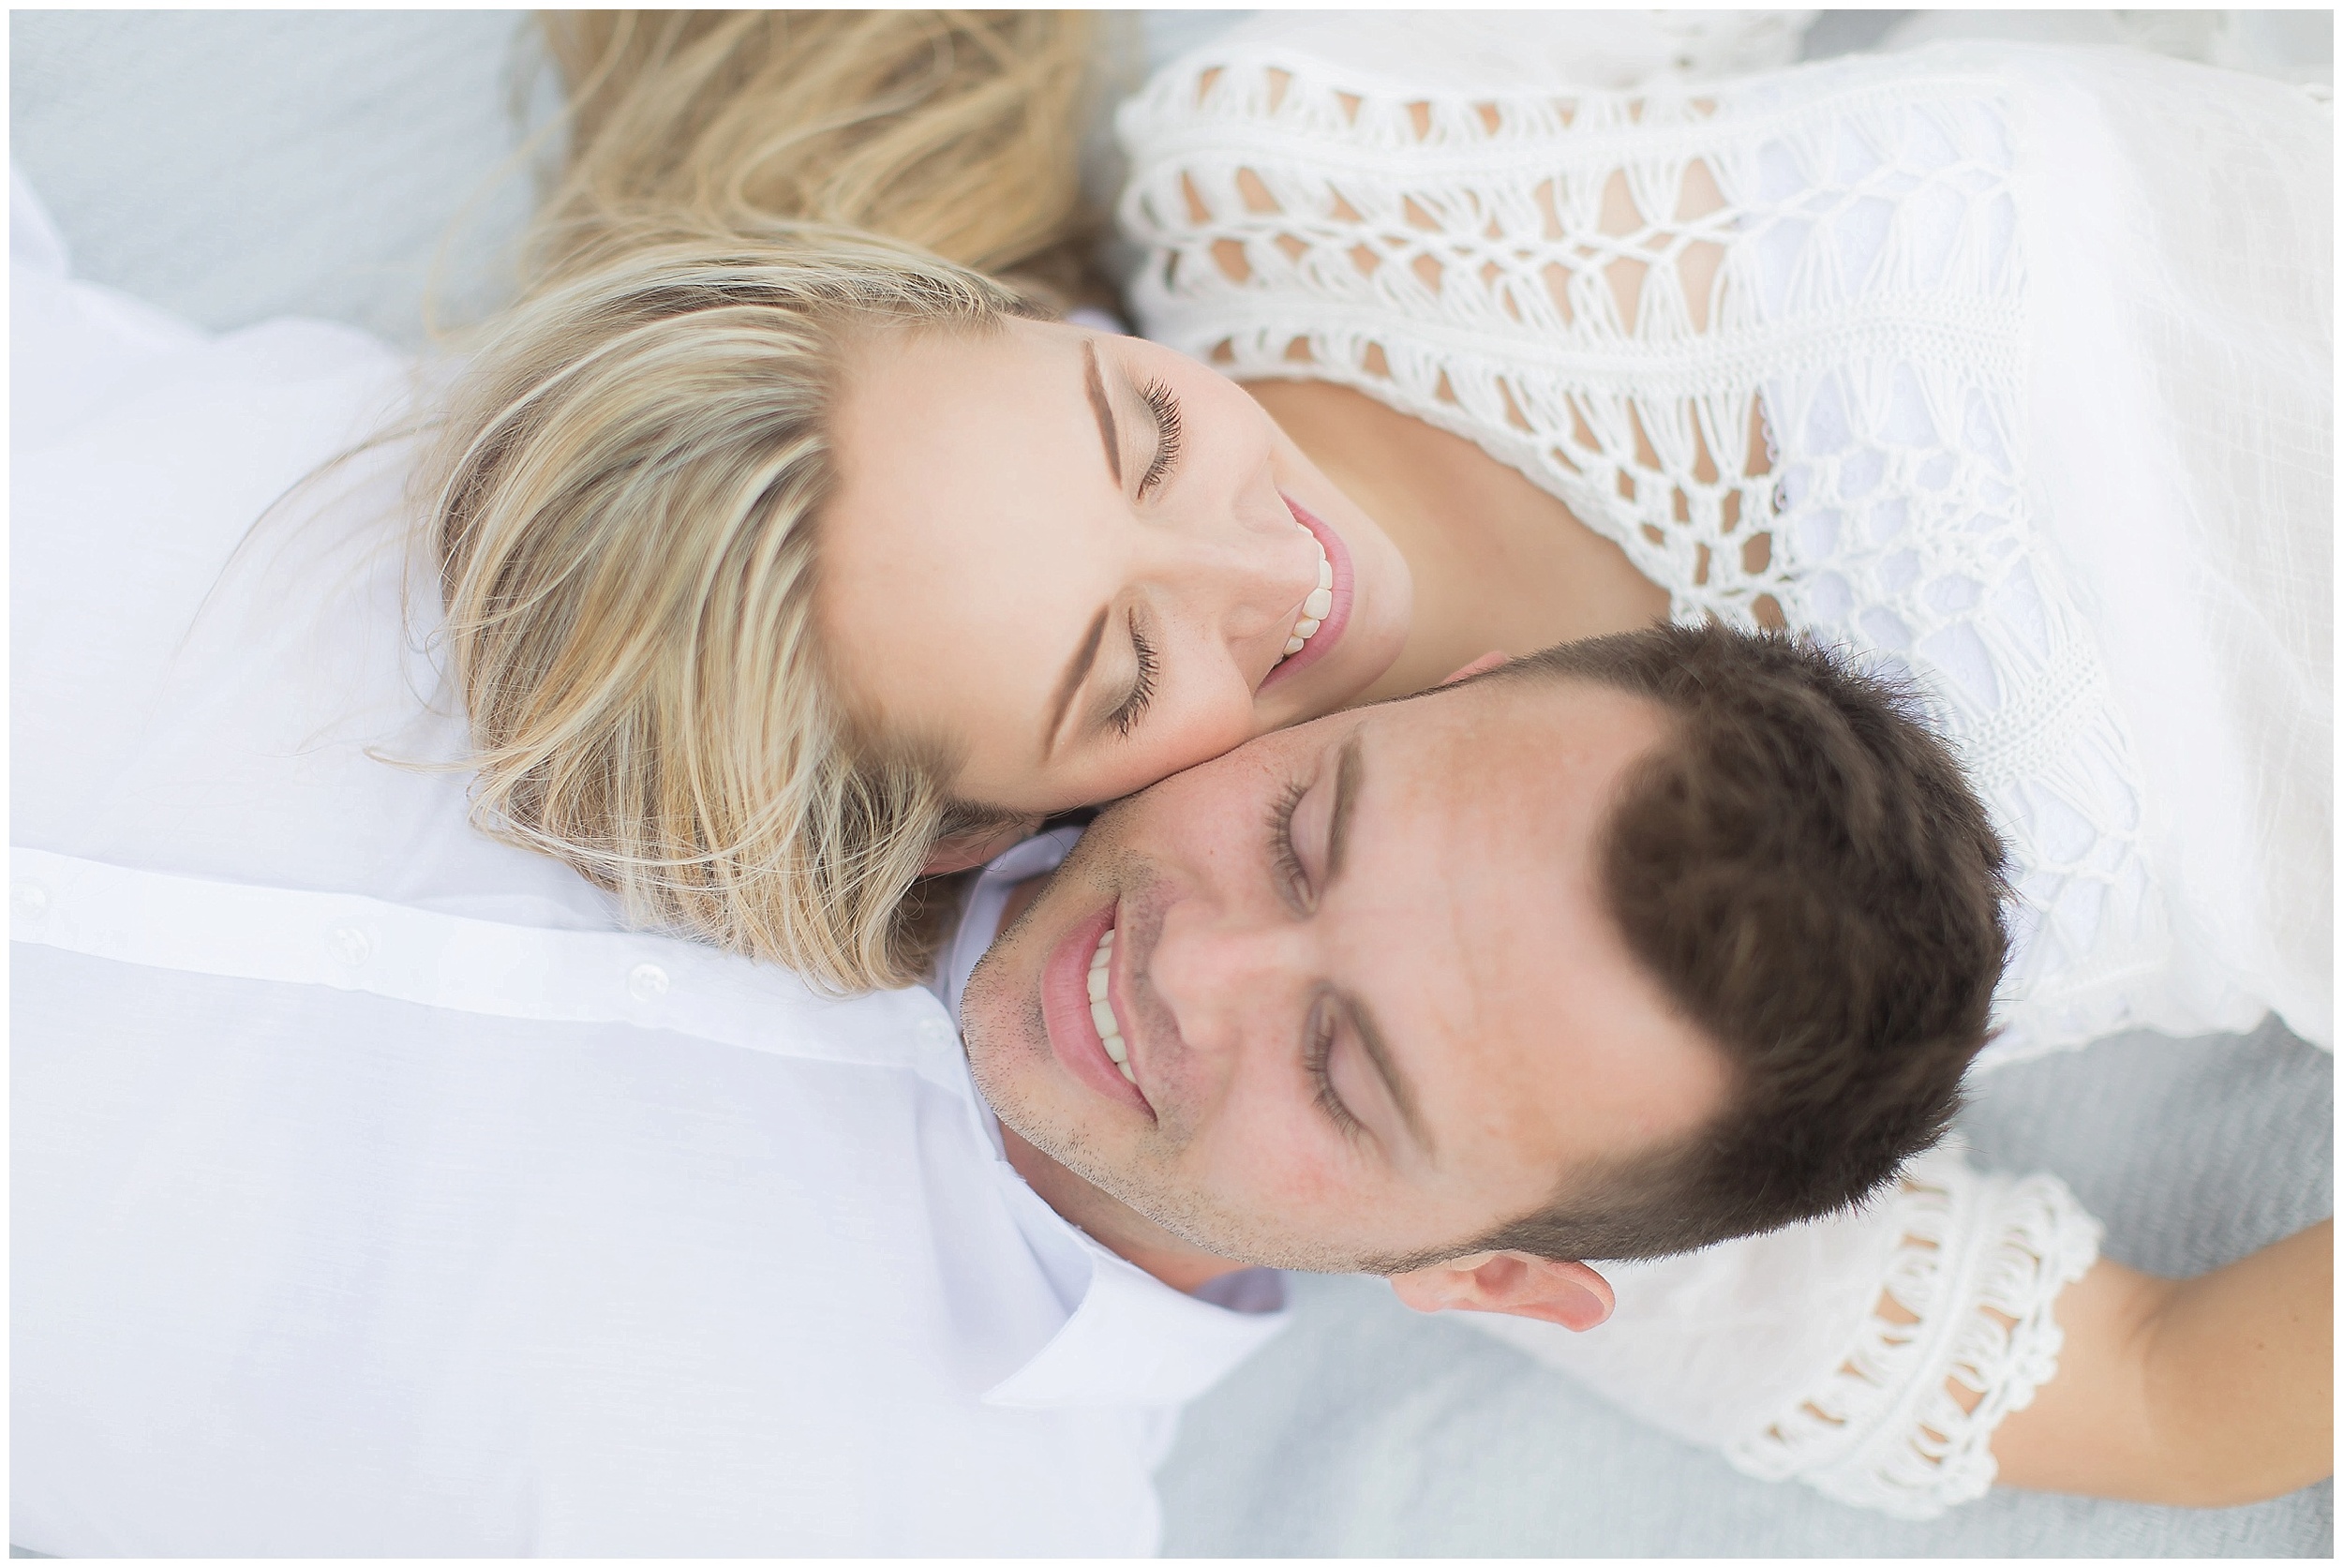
x,y
1372,646
1330,685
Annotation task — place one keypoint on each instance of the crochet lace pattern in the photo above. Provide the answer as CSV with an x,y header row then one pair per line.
x,y
1980,1260
1829,434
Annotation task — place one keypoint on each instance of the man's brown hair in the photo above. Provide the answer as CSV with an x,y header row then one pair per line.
x,y
1803,868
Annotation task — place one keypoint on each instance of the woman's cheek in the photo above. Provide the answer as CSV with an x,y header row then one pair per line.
x,y
1175,744
1228,723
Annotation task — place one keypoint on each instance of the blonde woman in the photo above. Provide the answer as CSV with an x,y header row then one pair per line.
x,y
787,564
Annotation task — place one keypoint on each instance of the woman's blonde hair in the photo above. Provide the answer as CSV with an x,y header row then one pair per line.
x,y
626,495
956,130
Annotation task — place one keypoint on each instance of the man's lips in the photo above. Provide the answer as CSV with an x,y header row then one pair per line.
x,y
1066,1010
1337,617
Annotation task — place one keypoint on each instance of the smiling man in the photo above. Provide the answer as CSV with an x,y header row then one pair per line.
x,y
1506,970
1637,946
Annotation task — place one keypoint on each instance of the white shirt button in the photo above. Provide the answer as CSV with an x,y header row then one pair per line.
x,y
645,982
27,899
351,945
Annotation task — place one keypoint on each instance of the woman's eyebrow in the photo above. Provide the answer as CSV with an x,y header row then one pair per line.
x,y
1105,411
1077,670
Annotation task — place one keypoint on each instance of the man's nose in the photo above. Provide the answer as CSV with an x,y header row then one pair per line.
x,y
1225,974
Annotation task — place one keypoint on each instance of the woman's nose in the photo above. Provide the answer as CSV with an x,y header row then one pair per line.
x,y
1249,575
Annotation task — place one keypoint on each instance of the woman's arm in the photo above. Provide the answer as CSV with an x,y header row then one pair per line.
x,y
2204,1393
1837,1353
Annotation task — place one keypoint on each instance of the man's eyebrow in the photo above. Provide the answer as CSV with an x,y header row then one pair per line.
x,y
1379,1054
1077,670
1350,775
1104,409
1350,769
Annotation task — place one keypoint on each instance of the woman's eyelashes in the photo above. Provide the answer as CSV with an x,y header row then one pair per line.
x,y
1144,664
1166,410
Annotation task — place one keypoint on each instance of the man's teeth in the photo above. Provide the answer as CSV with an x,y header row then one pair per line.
x,y
1103,1014
1314,608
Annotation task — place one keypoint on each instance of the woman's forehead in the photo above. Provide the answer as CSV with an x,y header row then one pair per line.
x,y
961,492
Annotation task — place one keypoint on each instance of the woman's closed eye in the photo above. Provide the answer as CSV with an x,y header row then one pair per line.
x,y
1144,664
1165,408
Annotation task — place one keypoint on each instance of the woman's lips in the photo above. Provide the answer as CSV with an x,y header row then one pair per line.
x,y
1337,617
1066,1012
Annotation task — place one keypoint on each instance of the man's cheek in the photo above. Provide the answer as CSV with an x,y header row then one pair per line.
x,y
1279,1164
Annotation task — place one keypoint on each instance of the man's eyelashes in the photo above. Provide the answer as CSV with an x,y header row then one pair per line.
x,y
1319,1032
1318,1051
1281,850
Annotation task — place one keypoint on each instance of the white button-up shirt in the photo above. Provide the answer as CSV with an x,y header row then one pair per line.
x,y
376,1192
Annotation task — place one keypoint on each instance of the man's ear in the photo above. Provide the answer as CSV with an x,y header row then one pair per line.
x,y
1488,660
1570,1294
959,851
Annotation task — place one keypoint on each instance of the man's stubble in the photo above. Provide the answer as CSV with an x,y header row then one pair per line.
x,y
1143,1181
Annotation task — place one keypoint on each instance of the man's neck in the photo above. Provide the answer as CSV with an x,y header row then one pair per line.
x,y
1113,1224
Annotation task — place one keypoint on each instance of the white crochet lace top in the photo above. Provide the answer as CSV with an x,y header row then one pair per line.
x,y
2012,373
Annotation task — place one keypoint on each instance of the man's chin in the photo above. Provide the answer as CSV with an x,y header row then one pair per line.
x,y
1000,1024
1108,1185
1001,1016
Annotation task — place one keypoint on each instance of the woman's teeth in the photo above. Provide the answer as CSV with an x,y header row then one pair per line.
x,y
1103,1014
1314,608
